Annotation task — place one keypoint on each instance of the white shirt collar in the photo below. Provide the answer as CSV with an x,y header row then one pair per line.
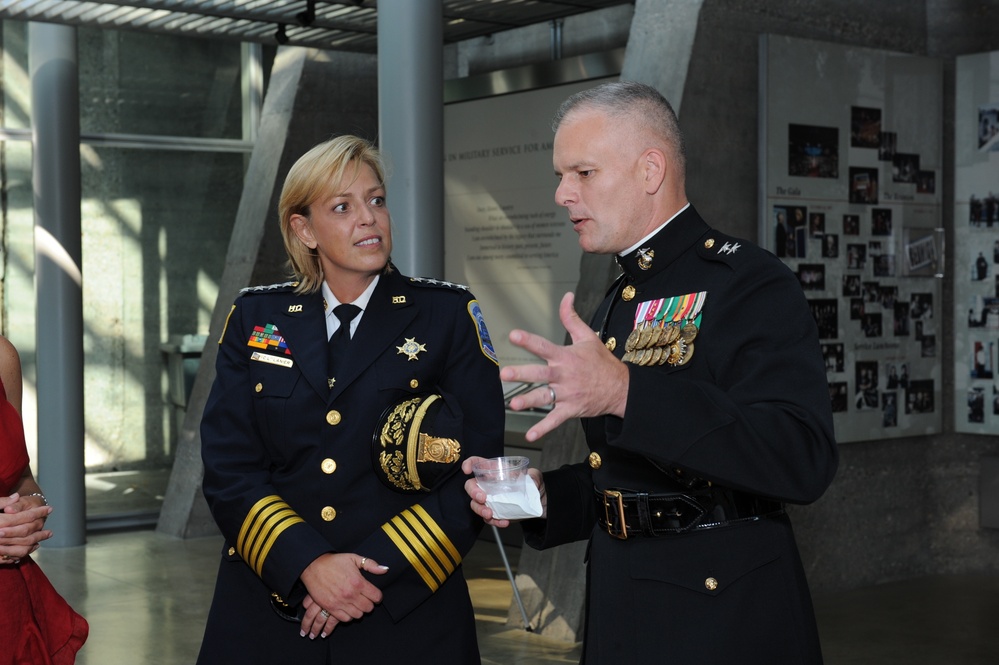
x,y
332,323
657,230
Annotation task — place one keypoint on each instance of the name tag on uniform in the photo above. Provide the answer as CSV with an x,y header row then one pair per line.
x,y
273,360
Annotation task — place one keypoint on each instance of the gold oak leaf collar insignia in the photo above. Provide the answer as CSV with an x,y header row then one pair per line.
x,y
411,348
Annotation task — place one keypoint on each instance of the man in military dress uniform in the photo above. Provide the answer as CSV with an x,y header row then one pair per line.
x,y
342,405
704,403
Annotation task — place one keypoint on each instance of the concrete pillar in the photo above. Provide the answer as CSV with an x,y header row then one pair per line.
x,y
55,139
411,129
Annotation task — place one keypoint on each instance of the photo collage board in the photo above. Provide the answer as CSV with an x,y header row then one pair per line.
x,y
850,194
976,243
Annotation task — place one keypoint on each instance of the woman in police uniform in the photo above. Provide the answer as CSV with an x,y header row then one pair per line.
x,y
330,465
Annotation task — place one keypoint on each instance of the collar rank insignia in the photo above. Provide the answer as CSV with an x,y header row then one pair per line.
x,y
645,257
411,348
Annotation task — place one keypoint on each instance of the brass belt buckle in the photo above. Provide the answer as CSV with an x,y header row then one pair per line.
x,y
614,495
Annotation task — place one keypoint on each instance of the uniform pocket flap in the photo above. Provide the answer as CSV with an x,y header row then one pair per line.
x,y
690,562
273,382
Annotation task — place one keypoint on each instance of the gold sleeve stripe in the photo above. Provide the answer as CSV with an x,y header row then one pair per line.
x,y
438,532
419,548
268,518
276,525
410,555
429,541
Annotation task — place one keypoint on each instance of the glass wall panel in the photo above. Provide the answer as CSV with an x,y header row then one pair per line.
x,y
144,83
156,227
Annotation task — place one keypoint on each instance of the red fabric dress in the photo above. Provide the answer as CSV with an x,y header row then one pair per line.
x,y
37,626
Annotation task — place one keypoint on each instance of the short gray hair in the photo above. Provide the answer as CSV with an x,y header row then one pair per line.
x,y
637,101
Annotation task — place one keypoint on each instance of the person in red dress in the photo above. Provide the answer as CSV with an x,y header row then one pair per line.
x,y
37,626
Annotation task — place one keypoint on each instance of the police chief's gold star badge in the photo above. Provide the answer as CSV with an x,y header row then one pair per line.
x,y
411,348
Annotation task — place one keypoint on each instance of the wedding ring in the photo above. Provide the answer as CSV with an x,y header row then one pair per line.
x,y
326,615
364,560
551,391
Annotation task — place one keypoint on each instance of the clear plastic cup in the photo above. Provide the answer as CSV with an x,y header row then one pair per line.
x,y
501,475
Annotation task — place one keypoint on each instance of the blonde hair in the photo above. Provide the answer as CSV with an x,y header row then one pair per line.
x,y
325,168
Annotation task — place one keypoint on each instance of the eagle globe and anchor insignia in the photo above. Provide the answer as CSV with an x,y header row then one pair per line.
x,y
407,452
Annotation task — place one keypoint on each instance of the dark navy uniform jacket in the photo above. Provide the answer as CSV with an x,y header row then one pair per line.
x,y
289,472
749,410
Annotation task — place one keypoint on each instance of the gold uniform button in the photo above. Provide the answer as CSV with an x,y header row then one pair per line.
x,y
595,460
709,243
232,550
333,417
414,384
258,387
329,514
711,584
628,292
611,344
328,465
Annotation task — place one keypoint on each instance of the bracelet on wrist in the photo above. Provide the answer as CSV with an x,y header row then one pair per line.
x,y
40,496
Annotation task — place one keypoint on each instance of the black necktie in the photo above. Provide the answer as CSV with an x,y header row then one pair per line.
x,y
339,340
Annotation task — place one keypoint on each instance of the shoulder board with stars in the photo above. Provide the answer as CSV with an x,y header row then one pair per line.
x,y
425,281
270,288
720,247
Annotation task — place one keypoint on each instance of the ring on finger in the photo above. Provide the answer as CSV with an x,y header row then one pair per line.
x,y
364,560
551,393
325,613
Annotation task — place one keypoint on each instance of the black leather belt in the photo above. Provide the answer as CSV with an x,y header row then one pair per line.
x,y
625,513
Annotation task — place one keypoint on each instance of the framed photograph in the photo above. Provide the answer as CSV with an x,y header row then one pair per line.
x,y
920,252
830,246
812,276
871,323
981,359
851,286
856,256
901,319
881,222
976,404
919,396
790,239
865,127
856,309
813,152
921,306
826,313
980,268
851,225
983,210
904,167
833,354
838,396
866,381
863,185
988,127
926,182
889,410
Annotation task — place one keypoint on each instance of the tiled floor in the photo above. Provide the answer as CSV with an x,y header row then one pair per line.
x,y
146,596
